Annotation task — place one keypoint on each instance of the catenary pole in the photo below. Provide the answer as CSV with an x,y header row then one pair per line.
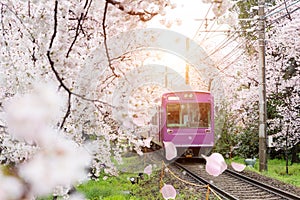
x,y
262,88
187,67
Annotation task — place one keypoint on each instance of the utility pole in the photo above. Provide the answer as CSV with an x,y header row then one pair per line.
x,y
262,88
187,67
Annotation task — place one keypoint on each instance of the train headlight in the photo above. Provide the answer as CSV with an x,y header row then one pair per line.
x,y
188,95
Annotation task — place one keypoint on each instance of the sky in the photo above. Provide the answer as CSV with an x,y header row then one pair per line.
x,y
187,18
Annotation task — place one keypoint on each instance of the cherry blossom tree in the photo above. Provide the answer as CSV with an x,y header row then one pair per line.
x,y
283,77
282,61
52,42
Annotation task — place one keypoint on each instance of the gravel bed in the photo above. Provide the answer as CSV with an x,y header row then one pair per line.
x,y
273,182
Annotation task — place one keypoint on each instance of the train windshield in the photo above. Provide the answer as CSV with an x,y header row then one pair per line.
x,y
188,115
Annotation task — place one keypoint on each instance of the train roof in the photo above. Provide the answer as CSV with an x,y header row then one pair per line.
x,y
184,91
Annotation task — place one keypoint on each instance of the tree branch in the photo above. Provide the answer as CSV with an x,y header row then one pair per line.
x,y
62,84
288,13
79,25
68,112
105,40
144,16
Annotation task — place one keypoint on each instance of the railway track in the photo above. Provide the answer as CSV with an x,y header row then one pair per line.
x,y
232,185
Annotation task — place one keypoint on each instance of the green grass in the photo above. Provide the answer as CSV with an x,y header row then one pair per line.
x,y
120,188
113,188
277,170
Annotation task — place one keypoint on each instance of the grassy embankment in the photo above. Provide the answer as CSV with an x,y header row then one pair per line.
x,y
277,170
120,188
114,187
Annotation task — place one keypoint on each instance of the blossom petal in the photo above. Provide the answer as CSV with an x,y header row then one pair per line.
x,y
147,142
237,166
215,164
148,170
168,192
171,151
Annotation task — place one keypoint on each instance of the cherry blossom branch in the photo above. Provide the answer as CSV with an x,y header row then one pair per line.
x,y
76,35
29,8
60,79
79,25
144,16
62,84
19,19
105,40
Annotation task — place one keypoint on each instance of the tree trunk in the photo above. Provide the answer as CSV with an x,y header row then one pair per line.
x,y
286,152
295,151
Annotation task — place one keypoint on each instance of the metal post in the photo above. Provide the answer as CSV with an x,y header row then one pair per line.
x,y
262,88
187,67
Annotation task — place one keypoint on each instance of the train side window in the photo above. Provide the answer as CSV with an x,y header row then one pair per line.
x,y
204,110
200,115
173,115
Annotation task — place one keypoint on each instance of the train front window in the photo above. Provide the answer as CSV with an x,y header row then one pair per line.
x,y
189,115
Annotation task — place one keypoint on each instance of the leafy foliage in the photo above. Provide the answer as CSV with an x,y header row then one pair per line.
x,y
226,138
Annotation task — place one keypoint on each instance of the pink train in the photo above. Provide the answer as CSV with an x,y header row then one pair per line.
x,y
187,120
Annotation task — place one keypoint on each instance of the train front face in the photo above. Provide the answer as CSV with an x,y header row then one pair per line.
x,y
187,120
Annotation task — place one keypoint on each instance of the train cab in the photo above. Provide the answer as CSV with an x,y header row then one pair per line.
x,y
187,120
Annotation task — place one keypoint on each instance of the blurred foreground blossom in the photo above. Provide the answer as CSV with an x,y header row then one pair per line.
x,y
215,164
28,115
168,192
10,187
171,151
237,166
60,163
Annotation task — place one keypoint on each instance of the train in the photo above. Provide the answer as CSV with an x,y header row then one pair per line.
x,y
185,118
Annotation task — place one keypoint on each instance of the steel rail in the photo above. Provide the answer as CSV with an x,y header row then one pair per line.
x,y
264,186
219,191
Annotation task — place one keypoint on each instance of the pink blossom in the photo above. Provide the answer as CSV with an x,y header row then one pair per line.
x,y
168,192
59,163
148,170
237,166
215,164
171,151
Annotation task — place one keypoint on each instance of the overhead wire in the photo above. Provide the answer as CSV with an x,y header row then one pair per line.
x,y
277,6
231,37
281,17
273,13
290,12
206,34
203,21
225,43
229,64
